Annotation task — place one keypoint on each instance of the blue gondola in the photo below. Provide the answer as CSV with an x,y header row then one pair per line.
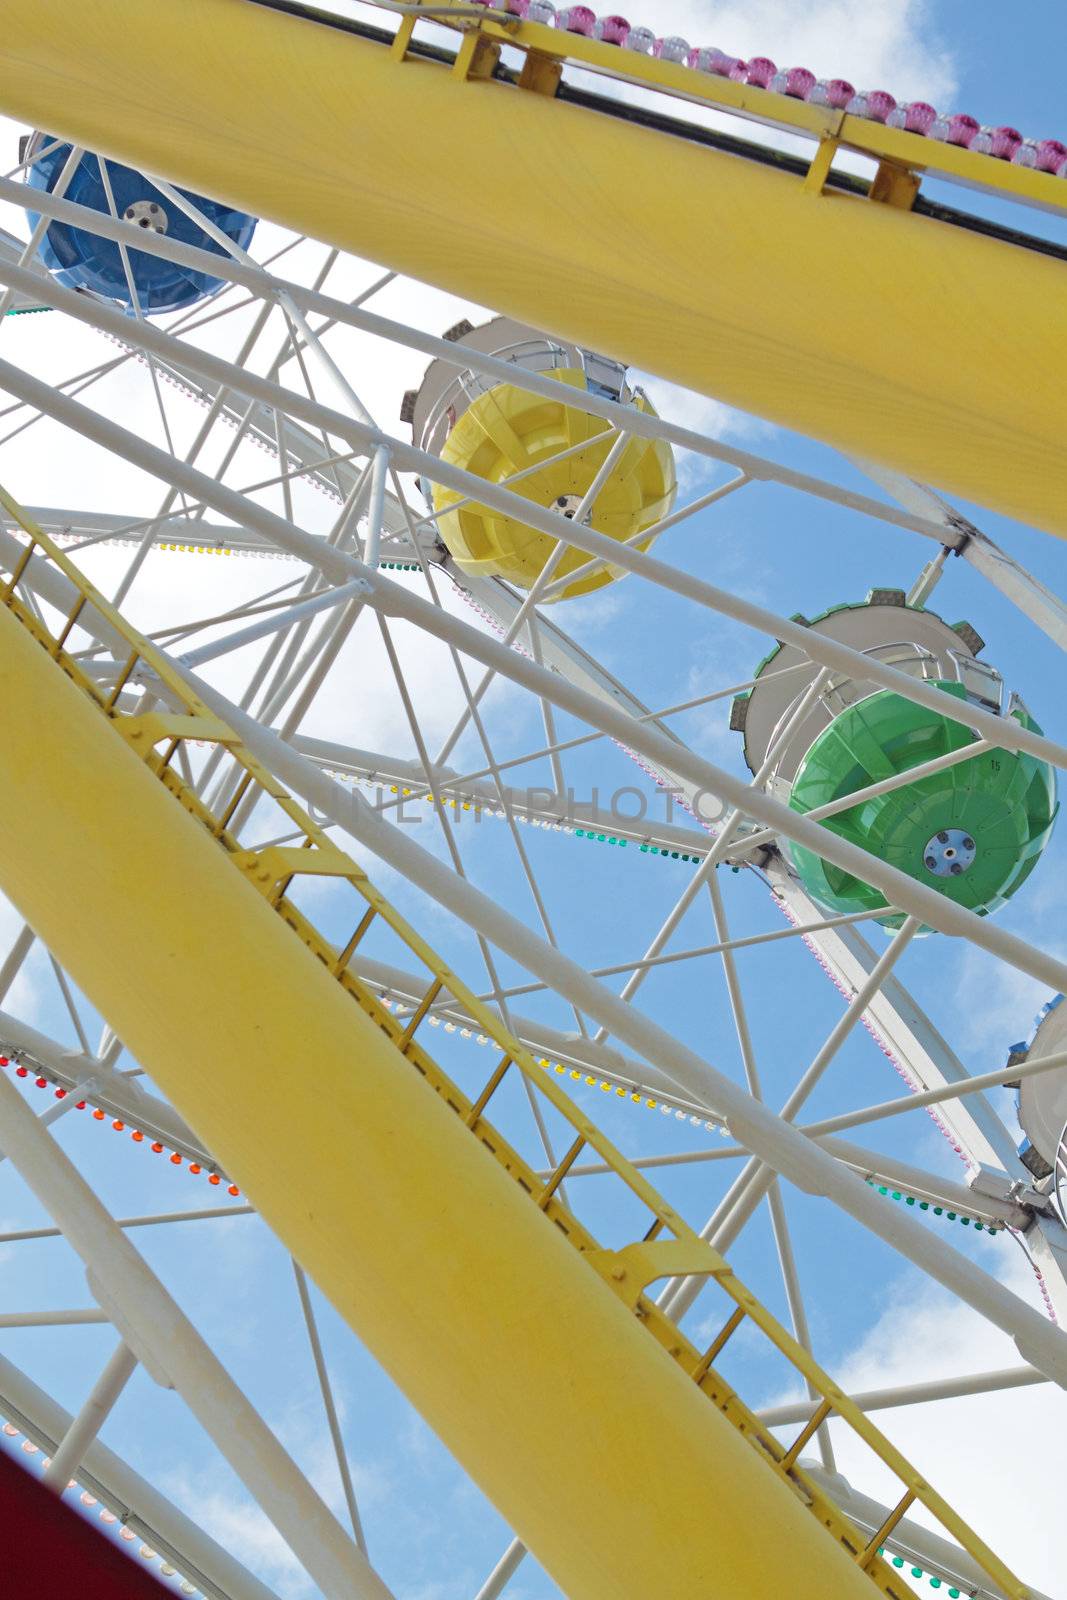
x,y
81,259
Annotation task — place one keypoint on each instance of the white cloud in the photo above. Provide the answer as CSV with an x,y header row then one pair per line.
x,y
241,1528
996,1004
963,1445
887,46
987,1455
24,997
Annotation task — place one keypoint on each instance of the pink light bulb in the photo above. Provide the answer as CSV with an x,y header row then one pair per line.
x,y
712,60
799,83
761,69
1051,155
962,129
612,30
918,117
838,92
1005,142
879,104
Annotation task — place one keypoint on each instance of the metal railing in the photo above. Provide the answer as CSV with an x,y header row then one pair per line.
x,y
981,682
168,714
540,355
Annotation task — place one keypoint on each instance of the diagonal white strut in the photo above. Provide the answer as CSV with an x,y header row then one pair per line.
x,y
393,600
158,1330
785,1150
783,1147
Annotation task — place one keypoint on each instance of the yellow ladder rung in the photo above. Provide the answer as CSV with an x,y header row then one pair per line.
x,y
68,625
878,1539
560,1173
168,755
420,1011
122,680
718,1344
350,948
23,563
810,1428
238,795
476,1110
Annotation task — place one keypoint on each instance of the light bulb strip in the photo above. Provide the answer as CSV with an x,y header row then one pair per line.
x,y
114,1521
935,1210
42,1079
1000,143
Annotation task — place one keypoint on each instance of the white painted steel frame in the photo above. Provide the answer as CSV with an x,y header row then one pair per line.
x,y
490,652
127,1496
175,1355
787,1150
922,521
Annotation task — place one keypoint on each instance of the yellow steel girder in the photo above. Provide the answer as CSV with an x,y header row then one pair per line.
x,y
893,336
597,1448
462,1271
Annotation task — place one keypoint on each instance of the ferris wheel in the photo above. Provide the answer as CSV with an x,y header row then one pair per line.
x,y
437,844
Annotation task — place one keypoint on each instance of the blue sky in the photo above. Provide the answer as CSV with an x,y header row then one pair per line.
x,y
433,1535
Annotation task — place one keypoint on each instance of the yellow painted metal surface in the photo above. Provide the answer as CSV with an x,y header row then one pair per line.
x,y
598,1448
507,430
467,1409
1022,185
891,335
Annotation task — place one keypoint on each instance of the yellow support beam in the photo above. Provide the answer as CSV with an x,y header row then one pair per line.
x,y
593,1442
667,1248
895,337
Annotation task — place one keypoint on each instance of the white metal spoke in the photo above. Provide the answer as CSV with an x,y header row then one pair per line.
x,y
538,588
458,781
457,863
14,959
70,166
779,1223
135,302
503,1572
29,161
329,1405
344,499
68,1001
647,536
744,1195
126,1495
51,1319
643,1035
718,850
146,1309
501,796
203,1214
87,1424
933,1097
916,1394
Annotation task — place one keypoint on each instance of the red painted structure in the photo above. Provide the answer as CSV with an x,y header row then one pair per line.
x,y
48,1551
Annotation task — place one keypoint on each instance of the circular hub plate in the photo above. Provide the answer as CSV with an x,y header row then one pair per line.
x,y
949,853
146,214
